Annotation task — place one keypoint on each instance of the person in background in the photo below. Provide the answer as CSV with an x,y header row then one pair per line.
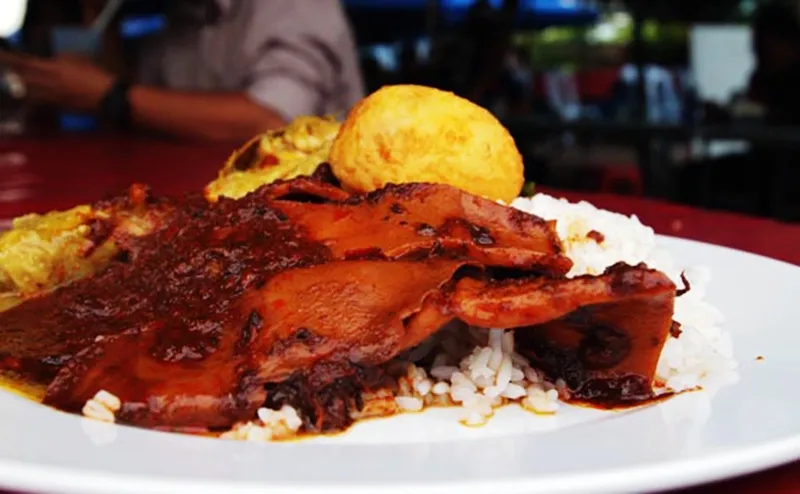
x,y
488,33
519,79
775,81
222,70
774,84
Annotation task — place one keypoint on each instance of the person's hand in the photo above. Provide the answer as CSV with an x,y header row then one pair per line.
x,y
68,81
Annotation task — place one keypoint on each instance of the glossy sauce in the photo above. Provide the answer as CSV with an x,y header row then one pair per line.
x,y
623,405
171,314
19,386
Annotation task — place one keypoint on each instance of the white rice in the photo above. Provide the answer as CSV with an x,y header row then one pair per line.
x,y
478,373
103,407
703,351
480,370
272,425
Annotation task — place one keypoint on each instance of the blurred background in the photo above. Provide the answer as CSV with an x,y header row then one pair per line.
x,y
695,102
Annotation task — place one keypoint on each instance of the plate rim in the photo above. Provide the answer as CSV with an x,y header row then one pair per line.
x,y
695,471
672,238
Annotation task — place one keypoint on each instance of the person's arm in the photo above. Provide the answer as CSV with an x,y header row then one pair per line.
x,y
303,47
79,85
305,56
224,116
299,63
200,115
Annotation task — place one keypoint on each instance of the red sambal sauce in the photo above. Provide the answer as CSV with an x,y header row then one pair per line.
x,y
186,274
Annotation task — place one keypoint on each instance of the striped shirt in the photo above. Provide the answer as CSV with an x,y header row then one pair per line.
x,y
296,57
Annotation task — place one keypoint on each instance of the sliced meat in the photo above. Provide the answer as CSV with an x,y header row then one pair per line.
x,y
602,334
196,266
322,324
300,284
315,189
183,276
324,321
416,221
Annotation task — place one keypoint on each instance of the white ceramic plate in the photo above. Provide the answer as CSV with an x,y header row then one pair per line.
x,y
696,437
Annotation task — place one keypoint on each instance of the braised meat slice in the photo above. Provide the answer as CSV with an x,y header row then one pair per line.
x,y
324,323
602,334
229,306
203,258
183,275
328,318
416,221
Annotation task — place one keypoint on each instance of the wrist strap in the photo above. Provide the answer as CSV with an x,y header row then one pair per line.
x,y
115,108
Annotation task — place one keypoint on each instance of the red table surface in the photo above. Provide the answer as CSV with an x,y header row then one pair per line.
x,y
43,174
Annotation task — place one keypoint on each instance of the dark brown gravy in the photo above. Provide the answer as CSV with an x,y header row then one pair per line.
x,y
607,407
17,385
623,405
183,292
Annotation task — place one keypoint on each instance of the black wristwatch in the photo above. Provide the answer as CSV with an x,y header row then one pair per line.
x,y
115,108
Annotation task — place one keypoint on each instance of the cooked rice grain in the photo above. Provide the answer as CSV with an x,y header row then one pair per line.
x,y
272,425
103,407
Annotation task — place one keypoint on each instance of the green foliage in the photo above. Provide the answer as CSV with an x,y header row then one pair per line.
x,y
567,46
529,189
